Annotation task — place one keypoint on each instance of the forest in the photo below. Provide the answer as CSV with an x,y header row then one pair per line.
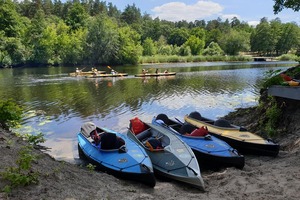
x,y
94,32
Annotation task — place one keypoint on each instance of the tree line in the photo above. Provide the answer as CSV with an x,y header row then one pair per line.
x,y
46,32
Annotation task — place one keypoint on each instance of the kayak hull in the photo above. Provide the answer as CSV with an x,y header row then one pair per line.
x,y
175,161
131,163
237,137
211,152
155,74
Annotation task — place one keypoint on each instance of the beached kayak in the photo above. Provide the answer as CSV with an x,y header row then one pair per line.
x,y
212,153
237,137
170,156
115,154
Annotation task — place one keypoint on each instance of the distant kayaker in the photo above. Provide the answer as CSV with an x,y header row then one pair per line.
x,y
144,71
77,72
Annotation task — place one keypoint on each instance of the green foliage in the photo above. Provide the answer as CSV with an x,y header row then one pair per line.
x,y
272,77
289,38
149,48
290,57
22,175
91,167
262,39
93,32
10,113
178,36
213,49
273,114
130,48
235,41
199,58
102,43
35,139
280,5
196,45
76,17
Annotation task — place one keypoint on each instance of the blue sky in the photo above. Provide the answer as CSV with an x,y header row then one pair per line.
x,y
250,11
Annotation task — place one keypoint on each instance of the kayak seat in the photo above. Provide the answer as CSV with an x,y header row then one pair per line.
x,y
144,135
164,118
222,123
187,129
111,141
153,144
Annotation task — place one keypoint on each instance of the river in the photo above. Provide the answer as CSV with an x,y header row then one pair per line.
x,y
56,104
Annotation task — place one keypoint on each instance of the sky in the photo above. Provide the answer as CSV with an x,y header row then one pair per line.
x,y
250,11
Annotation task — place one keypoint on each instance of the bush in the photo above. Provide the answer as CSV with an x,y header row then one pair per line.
x,y
22,175
10,114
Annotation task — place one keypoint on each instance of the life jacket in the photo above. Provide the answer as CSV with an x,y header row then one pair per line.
x,y
95,137
285,77
137,126
203,131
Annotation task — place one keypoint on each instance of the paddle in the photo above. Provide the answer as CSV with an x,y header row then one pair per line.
x,y
111,69
179,121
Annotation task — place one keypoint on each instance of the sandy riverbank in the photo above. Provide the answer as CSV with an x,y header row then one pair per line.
x,y
261,178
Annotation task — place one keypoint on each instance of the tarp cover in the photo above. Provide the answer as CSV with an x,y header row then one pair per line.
x,y
87,128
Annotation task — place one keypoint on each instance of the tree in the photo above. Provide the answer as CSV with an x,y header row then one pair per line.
x,y
149,48
235,41
262,39
198,32
289,38
178,36
131,15
213,49
9,19
281,4
102,43
196,44
76,16
130,48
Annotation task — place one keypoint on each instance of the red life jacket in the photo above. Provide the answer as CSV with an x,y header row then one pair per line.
x,y
137,126
203,131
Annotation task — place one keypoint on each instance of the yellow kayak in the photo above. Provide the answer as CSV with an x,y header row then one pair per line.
x,y
238,137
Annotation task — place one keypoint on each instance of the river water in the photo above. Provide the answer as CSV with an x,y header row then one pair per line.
x,y
56,104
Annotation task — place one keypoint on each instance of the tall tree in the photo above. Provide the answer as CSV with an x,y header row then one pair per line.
x,y
76,16
9,19
130,47
290,38
102,44
131,15
196,44
262,39
149,48
235,42
178,36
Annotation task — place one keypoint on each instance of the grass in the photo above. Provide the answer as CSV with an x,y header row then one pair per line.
x,y
175,59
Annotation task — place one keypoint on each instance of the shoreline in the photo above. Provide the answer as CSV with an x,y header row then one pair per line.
x,y
261,178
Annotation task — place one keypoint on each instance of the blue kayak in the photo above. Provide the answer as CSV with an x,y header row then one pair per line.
x,y
211,152
124,159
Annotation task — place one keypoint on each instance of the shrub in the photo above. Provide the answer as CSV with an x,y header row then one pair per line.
x,y
10,113
21,175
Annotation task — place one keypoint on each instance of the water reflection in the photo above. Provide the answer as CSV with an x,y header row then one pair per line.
x,y
57,105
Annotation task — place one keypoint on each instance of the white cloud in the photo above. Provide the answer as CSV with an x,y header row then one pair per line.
x,y
253,23
177,11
